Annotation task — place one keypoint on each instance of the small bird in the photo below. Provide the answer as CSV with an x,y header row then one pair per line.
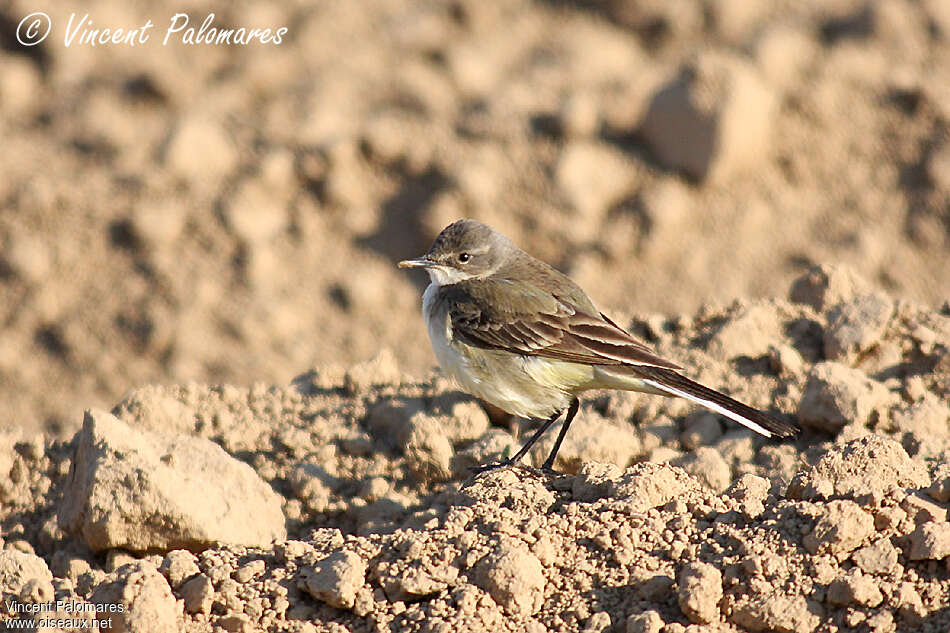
x,y
517,333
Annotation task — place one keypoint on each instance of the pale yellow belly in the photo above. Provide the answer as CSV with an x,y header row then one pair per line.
x,y
526,386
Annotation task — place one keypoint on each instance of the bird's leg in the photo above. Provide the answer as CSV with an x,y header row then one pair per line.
x,y
548,465
511,461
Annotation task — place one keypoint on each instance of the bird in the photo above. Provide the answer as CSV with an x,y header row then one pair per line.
x,y
515,332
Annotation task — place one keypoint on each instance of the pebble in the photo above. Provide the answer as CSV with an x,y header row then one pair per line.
x,y
836,395
699,592
336,579
514,577
712,121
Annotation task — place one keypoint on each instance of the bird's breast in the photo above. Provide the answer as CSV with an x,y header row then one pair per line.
x,y
521,385
436,315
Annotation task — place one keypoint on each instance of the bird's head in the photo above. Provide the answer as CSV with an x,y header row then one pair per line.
x,y
464,250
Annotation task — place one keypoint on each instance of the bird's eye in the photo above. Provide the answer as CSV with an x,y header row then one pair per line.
x,y
464,257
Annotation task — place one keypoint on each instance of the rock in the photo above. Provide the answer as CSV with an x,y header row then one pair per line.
x,y
930,541
146,600
145,491
594,176
703,429
201,152
236,623
749,487
940,488
157,224
657,587
836,395
579,115
178,566
313,485
939,14
921,508
735,19
20,86
750,491
413,582
514,578
249,571
389,420
594,481
712,121
921,423
380,370
783,53
910,604
699,593
504,489
785,360
840,529
856,325
18,569
678,19
255,213
736,446
749,333
197,594
646,622
117,558
779,613
707,465
462,419
862,467
472,68
336,579
879,557
598,623
153,408
37,591
389,137
855,589
69,565
649,485
824,286
666,204
428,450
28,258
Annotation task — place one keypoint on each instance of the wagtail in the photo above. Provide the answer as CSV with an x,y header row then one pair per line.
x,y
517,333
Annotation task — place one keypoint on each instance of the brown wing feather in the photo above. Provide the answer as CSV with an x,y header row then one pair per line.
x,y
524,319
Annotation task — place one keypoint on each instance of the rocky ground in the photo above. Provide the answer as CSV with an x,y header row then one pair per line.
x,y
207,236
185,212
342,501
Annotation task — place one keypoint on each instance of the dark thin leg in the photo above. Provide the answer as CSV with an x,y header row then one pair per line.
x,y
534,438
511,461
571,412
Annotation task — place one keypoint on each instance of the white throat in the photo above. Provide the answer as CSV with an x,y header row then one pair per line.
x,y
445,276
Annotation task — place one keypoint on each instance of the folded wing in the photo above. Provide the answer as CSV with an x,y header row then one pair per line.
x,y
524,319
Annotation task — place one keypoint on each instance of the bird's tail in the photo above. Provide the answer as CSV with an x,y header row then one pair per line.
x,y
674,384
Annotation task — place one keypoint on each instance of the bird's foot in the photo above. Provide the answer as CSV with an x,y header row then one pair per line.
x,y
542,473
501,464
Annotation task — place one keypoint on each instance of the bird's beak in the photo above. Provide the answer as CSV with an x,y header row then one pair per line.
x,y
419,262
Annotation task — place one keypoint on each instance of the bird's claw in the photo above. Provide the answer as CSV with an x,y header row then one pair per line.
x,y
484,468
543,472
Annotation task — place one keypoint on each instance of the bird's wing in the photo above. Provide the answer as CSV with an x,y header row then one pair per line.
x,y
524,319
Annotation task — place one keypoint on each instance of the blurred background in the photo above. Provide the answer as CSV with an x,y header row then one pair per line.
x,y
233,213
